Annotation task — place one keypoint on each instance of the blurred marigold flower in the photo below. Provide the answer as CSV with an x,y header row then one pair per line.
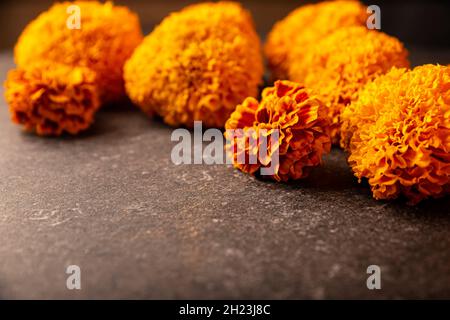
x,y
301,123
197,65
398,133
107,37
340,64
51,98
291,38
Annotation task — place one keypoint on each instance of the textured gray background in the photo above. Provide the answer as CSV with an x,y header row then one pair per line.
x,y
112,202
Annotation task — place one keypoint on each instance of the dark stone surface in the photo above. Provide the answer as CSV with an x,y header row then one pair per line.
x,y
112,202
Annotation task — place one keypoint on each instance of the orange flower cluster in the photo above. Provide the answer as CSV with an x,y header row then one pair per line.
x,y
302,126
398,133
64,74
342,63
291,38
50,98
198,64
202,61
107,37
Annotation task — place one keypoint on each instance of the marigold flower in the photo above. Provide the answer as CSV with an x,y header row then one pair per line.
x,y
398,133
107,37
51,98
296,34
343,62
302,127
198,64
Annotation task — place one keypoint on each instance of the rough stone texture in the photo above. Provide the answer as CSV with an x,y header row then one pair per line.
x,y
112,202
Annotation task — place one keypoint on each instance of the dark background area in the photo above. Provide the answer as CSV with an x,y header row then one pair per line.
x,y
416,23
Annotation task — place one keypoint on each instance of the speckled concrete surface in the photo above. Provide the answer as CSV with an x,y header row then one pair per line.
x,y
112,202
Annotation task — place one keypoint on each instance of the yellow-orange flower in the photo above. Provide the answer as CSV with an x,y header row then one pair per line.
x,y
198,64
107,36
301,123
296,34
51,98
398,133
343,62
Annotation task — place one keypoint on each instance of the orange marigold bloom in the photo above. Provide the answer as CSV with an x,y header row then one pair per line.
x,y
198,64
398,133
343,62
51,99
107,37
296,34
302,131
